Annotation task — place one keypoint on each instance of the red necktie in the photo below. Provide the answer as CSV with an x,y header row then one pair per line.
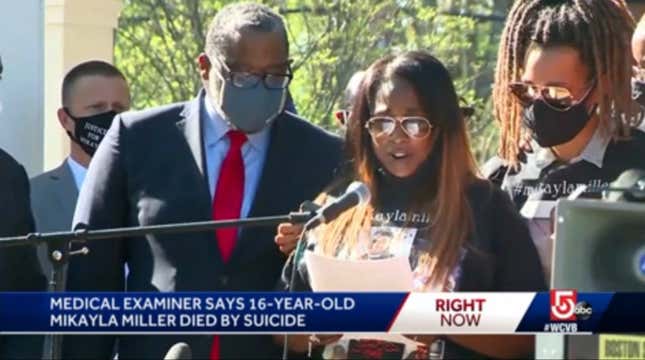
x,y
227,203
229,192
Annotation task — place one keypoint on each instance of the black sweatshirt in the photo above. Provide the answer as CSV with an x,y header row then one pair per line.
x,y
499,254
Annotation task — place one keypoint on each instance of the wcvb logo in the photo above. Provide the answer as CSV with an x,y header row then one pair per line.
x,y
563,305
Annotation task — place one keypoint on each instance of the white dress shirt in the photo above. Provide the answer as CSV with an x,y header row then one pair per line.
x,y
78,171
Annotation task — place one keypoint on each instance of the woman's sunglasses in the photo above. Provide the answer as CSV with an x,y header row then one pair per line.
x,y
557,97
416,127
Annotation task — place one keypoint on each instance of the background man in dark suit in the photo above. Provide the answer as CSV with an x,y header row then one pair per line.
x,y
231,152
19,268
93,92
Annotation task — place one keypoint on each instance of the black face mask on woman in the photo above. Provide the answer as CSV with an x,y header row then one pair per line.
x,y
551,127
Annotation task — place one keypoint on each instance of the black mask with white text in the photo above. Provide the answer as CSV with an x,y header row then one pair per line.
x,y
89,131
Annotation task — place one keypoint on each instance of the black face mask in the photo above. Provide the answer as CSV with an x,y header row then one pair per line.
x,y
638,91
89,131
551,127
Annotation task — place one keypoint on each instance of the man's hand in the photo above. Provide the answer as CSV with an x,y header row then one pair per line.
x,y
287,237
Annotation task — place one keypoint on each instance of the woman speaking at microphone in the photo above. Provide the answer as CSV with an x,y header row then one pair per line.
x,y
408,143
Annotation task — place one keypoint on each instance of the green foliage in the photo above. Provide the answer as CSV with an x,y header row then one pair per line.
x,y
158,41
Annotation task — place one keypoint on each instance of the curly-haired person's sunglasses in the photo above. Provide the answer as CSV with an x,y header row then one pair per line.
x,y
557,97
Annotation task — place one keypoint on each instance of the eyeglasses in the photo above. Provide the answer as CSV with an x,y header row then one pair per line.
x,y
342,116
416,127
557,97
248,80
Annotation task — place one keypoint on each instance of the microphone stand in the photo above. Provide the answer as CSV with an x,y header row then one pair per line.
x,y
59,244
297,252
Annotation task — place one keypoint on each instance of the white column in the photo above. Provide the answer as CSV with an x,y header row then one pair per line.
x,y
21,88
75,31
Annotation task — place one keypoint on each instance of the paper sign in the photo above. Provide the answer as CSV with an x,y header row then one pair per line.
x,y
331,274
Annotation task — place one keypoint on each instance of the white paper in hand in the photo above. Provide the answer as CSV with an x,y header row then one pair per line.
x,y
383,275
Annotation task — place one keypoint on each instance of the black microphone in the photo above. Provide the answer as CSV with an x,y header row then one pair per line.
x,y
309,206
179,351
357,193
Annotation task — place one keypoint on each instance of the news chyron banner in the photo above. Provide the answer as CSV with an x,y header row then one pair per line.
x,y
561,311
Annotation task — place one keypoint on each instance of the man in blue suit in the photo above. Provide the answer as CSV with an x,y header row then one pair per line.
x,y
231,152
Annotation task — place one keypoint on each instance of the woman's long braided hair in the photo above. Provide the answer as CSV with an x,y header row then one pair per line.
x,y
600,30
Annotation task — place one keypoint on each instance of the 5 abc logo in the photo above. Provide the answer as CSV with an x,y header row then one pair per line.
x,y
565,306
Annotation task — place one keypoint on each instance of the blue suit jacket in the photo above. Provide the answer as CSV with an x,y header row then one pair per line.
x,y
149,170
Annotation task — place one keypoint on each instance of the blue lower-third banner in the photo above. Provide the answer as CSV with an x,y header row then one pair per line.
x,y
564,311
